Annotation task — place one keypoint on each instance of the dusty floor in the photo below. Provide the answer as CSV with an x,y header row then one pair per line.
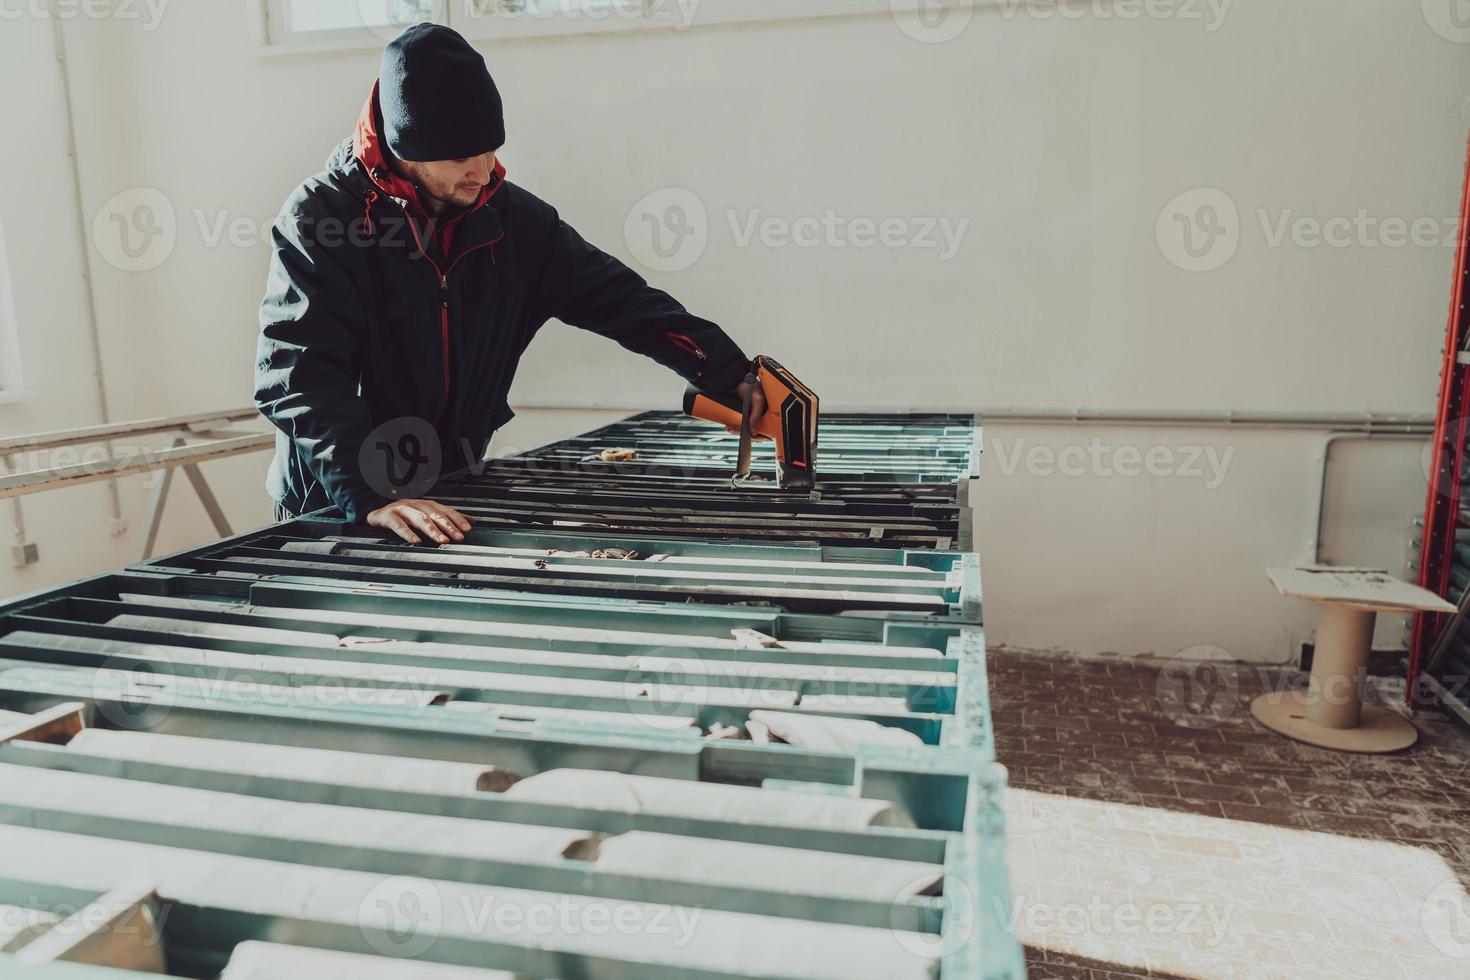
x,y
1157,830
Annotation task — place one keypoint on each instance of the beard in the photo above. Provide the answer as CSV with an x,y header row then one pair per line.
x,y
454,195
463,198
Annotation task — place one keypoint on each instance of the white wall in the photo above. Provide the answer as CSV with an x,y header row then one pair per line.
x,y
1092,545
1059,141
43,247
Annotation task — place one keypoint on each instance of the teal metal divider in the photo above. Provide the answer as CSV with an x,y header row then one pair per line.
x,y
309,749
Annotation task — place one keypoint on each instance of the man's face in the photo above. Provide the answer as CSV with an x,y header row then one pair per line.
x,y
451,183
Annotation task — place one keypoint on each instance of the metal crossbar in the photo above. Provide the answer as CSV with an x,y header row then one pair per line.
x,y
197,438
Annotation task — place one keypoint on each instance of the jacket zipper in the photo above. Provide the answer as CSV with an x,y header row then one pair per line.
x,y
689,345
443,339
443,301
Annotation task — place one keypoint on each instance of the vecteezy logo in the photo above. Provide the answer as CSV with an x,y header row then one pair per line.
x,y
1198,687
957,927
135,229
133,695
401,458
667,231
674,693
1450,19
931,21
401,916
1199,230
1445,917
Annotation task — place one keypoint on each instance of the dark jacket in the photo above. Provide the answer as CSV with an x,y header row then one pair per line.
x,y
379,320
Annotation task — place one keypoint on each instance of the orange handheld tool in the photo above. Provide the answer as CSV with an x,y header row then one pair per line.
x,y
790,420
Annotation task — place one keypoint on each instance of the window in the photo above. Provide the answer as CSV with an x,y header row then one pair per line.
x,y
343,16
9,342
327,21
318,22
492,19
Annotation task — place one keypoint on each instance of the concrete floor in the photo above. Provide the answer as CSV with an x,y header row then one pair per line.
x,y
1157,830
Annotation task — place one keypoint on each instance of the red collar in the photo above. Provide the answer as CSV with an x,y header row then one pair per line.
x,y
371,151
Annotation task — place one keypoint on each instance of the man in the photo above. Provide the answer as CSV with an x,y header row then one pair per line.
x,y
407,280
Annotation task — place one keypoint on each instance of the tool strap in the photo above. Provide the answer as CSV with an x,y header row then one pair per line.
x,y
747,428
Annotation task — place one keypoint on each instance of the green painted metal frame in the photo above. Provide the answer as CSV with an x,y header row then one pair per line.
x,y
946,709
680,484
778,575
950,787
204,926
851,448
756,514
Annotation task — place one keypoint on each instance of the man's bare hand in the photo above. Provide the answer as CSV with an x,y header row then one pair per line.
x,y
410,518
757,396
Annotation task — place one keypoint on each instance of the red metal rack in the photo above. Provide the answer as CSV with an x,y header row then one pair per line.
x,y
1442,508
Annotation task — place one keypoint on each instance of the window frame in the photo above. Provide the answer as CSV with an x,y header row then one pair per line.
x,y
711,12
276,32
476,26
276,37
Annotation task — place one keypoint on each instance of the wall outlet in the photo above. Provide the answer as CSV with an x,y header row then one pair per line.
x,y
117,527
22,555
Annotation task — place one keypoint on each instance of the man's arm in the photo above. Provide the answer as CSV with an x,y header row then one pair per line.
x,y
306,382
584,286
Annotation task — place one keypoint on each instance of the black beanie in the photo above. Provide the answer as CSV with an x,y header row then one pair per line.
x,y
438,99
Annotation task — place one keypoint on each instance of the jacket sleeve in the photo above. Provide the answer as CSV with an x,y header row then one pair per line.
x,y
306,378
584,286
